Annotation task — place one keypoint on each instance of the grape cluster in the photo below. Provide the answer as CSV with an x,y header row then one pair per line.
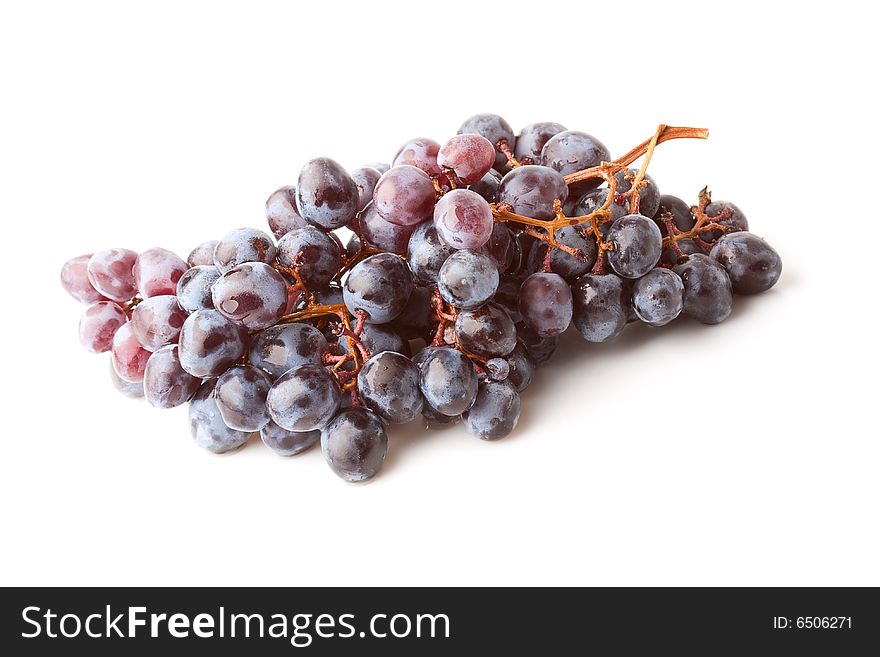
x,y
457,268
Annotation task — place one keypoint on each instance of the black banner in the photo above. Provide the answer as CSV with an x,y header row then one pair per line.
x,y
430,621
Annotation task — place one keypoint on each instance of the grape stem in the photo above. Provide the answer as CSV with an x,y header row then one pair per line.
x,y
704,224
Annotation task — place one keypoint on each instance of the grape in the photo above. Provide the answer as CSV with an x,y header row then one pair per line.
x,y
637,245
493,128
507,296
680,211
736,221
156,272
375,338
421,153
381,167
467,279
649,193
600,306
316,256
287,443
595,199
156,321
365,179
531,190
463,219
468,156
532,138
326,195
500,247
570,151
415,320
658,297
545,304
426,252
707,289
389,386
404,195
379,286
497,369
203,254
562,263
166,383
243,245
448,381
353,245
487,186
99,324
688,247
381,234
75,280
210,343
521,368
253,295
240,394
194,287
128,357
423,354
281,213
132,390
280,348
436,420
752,264
354,444
305,398
111,273
207,426
486,332
495,411
539,349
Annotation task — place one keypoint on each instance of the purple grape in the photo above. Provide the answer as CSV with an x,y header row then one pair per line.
x,y
680,211
166,383
467,279
240,394
463,219
381,167
375,339
326,195
545,303
734,222
156,272
156,321
707,289
507,296
486,332
128,357
415,320
316,256
752,264
531,190
637,245
111,273
571,151
194,287
649,193
389,386
243,245
500,247
495,412
305,398
448,381
595,199
497,369
203,254
132,390
538,349
380,286
688,247
99,324
381,234
532,138
281,213
468,156
210,343
421,153
280,348
600,306
488,185
365,179
493,128
521,368
252,295
658,297
565,264
207,426
354,444
404,195
75,280
426,252
288,443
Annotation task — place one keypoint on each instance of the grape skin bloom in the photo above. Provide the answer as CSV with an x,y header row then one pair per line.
x,y
448,381
304,399
463,219
210,343
495,412
467,279
379,286
252,295
707,291
354,444
240,394
166,383
637,245
545,303
658,297
207,426
389,386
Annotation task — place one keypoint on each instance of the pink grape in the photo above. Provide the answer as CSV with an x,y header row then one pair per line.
x,y
404,195
157,271
469,156
111,273
129,357
420,152
75,280
463,219
156,321
99,324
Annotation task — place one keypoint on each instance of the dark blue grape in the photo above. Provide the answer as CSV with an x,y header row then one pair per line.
x,y
381,234
365,179
658,297
680,211
207,426
467,279
243,245
565,264
305,398
545,303
426,252
600,306
240,393
571,151
538,348
649,193
725,214
194,287
210,343
389,386
507,296
415,320
166,383
326,195
531,190
497,369
637,245
495,412
354,444
287,443
486,332
448,381
752,264
281,213
379,286
316,256
707,289
531,139
595,199
278,349
688,247
253,295
521,368
375,338
487,186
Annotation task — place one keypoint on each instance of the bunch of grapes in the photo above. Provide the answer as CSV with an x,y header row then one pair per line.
x,y
463,265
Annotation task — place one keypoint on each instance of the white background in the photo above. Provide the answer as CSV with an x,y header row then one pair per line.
x,y
744,453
